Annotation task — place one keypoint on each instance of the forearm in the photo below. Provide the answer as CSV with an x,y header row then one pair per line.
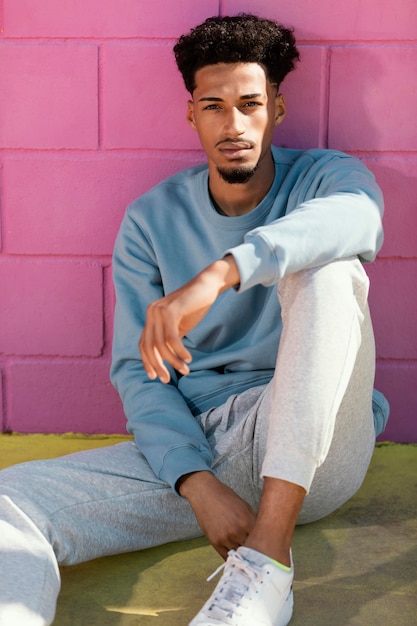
x,y
170,318
226,272
193,483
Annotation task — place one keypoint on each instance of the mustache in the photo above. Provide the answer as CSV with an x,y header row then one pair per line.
x,y
238,143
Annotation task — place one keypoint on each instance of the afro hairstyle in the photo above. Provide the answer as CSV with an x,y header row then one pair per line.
x,y
242,38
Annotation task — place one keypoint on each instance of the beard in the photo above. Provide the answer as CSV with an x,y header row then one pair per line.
x,y
238,175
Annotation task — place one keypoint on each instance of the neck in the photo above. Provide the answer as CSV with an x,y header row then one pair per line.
x,y
236,199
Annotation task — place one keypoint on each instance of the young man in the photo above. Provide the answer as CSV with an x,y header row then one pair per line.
x,y
251,394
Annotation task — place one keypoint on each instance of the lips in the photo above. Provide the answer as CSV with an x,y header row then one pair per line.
x,y
234,150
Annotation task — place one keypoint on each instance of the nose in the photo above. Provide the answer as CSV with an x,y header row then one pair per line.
x,y
234,123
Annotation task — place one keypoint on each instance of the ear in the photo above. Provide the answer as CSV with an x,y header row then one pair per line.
x,y
280,109
190,114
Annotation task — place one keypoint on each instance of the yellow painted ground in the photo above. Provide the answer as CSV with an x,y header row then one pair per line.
x,y
358,567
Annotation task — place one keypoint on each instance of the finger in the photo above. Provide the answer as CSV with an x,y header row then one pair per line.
x,y
154,365
163,352
149,369
151,358
222,550
171,355
155,349
177,347
170,347
167,353
238,541
162,371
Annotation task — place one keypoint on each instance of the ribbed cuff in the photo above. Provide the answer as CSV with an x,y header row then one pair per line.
x,y
255,263
290,465
182,460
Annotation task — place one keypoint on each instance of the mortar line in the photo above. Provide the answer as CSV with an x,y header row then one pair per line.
x,y
324,100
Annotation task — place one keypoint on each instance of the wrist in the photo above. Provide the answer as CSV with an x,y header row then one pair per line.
x,y
226,271
192,483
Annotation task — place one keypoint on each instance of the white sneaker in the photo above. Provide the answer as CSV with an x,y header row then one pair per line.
x,y
251,592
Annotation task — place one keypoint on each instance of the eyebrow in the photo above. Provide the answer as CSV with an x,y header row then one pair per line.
x,y
249,96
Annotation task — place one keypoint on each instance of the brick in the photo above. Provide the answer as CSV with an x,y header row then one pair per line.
x,y
136,114
82,200
48,96
398,382
59,397
2,413
397,178
371,105
51,307
302,91
342,20
393,303
104,18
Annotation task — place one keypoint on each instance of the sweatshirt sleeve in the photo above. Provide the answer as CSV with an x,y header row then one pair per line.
x,y
164,429
333,212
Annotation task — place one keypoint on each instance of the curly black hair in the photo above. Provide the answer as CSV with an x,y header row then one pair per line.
x,y
242,38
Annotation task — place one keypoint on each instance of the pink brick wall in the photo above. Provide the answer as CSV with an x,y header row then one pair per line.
x,y
91,115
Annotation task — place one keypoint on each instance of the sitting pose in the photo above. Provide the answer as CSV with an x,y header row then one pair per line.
x,y
243,353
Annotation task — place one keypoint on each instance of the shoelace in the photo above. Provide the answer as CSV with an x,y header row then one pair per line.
x,y
234,560
227,597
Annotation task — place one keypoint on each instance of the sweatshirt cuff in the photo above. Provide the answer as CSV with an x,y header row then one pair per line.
x,y
255,263
183,460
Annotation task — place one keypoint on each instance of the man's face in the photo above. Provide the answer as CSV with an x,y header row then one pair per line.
x,y
234,110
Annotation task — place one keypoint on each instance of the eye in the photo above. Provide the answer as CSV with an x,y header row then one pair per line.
x,y
211,107
251,104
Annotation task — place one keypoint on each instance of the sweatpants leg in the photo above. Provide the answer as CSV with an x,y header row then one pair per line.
x,y
313,423
87,505
73,509
321,432
29,576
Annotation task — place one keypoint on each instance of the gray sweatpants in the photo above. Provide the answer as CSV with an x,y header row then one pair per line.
x,y
312,425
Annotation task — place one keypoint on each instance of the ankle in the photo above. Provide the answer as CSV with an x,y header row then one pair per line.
x,y
272,533
278,552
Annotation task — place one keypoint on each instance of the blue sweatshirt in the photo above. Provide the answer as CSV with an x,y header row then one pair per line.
x,y
323,205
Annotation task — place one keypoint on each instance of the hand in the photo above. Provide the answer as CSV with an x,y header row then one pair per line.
x,y
171,317
223,516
